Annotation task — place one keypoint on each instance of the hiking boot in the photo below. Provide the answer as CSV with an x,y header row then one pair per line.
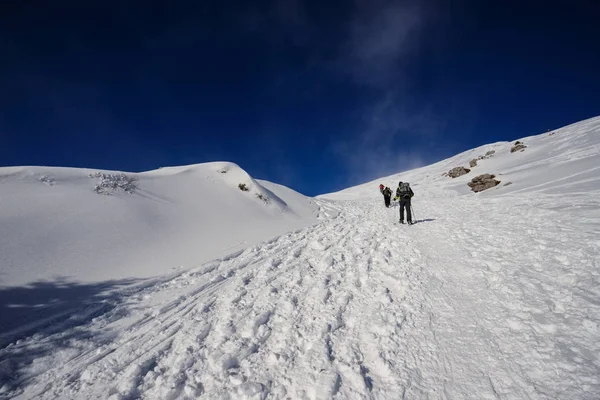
x,y
401,221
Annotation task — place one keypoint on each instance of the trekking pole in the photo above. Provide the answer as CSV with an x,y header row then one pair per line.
x,y
412,210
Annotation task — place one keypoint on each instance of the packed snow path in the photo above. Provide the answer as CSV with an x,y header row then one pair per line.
x,y
482,299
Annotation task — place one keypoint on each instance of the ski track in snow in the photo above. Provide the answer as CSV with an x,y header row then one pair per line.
x,y
467,303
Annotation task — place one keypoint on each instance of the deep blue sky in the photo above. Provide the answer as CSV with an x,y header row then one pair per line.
x,y
316,95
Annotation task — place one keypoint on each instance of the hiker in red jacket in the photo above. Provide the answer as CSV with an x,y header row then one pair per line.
x,y
387,194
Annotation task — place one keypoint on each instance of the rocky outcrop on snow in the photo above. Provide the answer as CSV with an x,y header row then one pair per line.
x,y
47,180
112,183
483,182
519,146
263,197
489,154
458,171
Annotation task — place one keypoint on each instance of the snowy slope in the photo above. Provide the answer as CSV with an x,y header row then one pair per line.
x,y
490,295
564,160
55,225
57,232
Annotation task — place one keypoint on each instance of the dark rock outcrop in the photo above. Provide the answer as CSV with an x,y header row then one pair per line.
x,y
483,182
473,163
519,146
487,155
458,171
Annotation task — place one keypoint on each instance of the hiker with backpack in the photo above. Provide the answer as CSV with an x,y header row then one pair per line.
x,y
387,194
403,194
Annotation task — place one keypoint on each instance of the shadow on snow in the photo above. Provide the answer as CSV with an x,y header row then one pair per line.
x,y
54,312
424,220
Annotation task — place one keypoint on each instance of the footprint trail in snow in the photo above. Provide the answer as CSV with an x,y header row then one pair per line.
x,y
354,307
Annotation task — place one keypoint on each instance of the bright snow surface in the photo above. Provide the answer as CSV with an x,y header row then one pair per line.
x,y
490,295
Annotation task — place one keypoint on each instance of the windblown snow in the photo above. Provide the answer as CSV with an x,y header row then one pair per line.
x,y
176,284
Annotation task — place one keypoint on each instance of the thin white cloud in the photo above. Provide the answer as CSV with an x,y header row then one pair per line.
x,y
382,37
379,36
378,162
382,147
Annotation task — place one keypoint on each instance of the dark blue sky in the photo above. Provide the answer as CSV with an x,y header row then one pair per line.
x,y
316,95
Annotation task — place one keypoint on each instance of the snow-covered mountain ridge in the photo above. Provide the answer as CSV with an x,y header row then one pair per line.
x,y
555,162
489,295
54,225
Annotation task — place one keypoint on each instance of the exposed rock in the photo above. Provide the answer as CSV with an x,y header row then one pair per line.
x,y
112,183
487,155
263,198
483,182
507,183
473,163
518,146
47,180
458,171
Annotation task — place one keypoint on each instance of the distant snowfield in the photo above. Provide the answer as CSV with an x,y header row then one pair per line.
x,y
490,295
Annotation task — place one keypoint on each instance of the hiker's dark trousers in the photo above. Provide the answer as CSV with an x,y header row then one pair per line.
x,y
405,203
387,200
